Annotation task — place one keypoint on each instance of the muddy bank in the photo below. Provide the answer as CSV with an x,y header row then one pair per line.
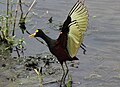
x,y
19,72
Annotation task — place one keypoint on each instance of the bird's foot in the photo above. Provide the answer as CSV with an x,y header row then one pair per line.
x,y
63,85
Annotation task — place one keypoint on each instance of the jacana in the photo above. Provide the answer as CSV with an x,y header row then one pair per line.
x,y
66,46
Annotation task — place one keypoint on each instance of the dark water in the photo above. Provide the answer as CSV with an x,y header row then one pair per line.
x,y
100,67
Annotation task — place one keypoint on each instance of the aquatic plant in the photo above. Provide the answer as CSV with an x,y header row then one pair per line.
x,y
9,22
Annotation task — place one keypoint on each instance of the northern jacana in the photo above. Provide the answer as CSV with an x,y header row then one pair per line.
x,y
70,39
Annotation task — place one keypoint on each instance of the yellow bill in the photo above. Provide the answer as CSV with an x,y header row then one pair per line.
x,y
32,35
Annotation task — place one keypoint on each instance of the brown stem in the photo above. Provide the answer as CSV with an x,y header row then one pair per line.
x,y
20,3
14,25
7,13
17,50
30,8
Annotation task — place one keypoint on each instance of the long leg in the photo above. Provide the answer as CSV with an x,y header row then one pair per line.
x,y
67,70
62,75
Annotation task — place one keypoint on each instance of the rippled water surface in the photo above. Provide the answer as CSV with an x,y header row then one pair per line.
x,y
100,67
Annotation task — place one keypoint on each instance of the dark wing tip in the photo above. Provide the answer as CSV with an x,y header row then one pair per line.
x,y
65,27
79,3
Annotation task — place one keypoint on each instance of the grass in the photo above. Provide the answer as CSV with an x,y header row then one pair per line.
x,y
69,82
39,77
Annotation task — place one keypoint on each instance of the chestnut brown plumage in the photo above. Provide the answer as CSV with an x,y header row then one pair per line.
x,y
71,37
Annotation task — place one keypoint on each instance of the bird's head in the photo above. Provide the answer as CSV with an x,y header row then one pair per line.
x,y
38,33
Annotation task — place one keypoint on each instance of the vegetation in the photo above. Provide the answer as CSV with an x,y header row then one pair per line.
x,y
10,21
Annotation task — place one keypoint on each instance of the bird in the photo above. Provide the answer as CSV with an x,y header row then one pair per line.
x,y
70,39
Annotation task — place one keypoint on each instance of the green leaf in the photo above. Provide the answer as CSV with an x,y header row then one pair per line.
x,y
69,83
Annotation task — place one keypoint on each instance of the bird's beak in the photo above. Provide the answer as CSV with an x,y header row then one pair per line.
x,y
32,35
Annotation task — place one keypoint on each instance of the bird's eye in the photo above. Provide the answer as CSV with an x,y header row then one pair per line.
x,y
36,31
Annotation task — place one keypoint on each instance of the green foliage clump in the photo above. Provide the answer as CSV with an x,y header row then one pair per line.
x,y
8,25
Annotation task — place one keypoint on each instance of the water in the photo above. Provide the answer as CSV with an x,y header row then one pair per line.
x,y
100,67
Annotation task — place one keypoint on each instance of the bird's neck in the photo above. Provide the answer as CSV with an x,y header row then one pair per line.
x,y
46,39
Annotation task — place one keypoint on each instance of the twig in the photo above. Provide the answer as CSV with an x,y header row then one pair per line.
x,y
7,13
17,51
2,27
30,8
14,25
50,82
20,3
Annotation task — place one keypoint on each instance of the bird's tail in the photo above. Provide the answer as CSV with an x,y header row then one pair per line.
x,y
75,58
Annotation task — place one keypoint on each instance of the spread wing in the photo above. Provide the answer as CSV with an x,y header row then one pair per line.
x,y
74,27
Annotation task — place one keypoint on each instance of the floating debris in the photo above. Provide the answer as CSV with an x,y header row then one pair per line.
x,y
50,20
93,76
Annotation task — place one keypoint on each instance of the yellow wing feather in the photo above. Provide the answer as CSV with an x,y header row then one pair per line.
x,y
79,18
